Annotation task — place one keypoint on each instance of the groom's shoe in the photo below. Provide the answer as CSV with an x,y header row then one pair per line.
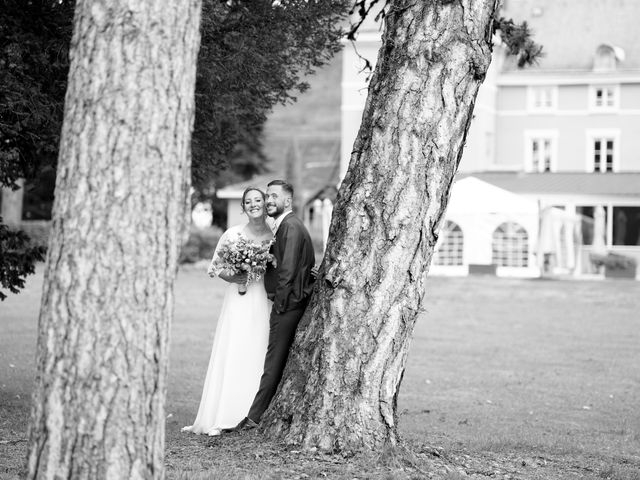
x,y
245,424
248,424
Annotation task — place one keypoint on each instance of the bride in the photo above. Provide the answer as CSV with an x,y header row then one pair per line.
x,y
241,336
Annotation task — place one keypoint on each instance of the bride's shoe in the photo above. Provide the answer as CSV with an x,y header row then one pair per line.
x,y
214,432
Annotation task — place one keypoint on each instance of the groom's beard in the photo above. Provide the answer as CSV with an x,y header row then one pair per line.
x,y
276,211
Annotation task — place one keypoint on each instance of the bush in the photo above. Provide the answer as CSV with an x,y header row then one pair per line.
x,y
613,261
17,259
201,244
38,231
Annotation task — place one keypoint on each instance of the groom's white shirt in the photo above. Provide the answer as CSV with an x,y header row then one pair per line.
x,y
278,220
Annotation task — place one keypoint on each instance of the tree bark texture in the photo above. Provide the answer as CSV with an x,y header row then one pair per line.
x,y
120,209
341,383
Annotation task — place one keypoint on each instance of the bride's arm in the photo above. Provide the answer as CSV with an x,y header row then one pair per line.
x,y
215,270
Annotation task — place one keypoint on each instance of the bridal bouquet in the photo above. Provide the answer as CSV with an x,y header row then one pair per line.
x,y
245,255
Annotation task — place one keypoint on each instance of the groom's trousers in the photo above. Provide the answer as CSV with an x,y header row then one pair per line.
x,y
282,331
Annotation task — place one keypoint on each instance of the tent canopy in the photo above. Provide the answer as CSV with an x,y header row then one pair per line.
x,y
471,195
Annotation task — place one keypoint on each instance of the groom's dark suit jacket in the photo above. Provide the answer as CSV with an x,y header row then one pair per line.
x,y
289,283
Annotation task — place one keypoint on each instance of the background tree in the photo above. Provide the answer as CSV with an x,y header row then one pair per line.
x,y
121,205
34,38
254,54
341,383
34,47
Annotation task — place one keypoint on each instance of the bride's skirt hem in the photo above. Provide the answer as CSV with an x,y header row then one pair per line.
x,y
212,432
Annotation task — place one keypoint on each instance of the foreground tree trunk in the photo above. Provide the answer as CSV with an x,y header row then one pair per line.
x,y
341,383
120,207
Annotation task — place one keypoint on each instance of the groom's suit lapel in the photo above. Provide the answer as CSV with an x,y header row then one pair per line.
x,y
277,249
280,235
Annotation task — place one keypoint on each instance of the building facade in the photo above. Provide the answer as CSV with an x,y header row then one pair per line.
x,y
563,134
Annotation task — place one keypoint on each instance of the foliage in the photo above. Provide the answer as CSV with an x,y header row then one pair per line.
x,y
518,40
613,261
17,259
34,43
254,55
34,63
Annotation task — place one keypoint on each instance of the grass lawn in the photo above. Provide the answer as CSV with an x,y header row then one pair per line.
x,y
520,379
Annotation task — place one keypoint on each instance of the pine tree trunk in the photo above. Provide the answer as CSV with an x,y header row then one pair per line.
x,y
341,383
120,209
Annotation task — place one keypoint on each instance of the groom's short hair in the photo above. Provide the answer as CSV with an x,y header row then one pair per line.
x,y
287,187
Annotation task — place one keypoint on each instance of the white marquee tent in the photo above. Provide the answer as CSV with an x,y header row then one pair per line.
x,y
486,225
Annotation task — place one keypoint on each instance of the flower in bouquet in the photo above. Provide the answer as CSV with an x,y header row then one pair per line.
x,y
245,256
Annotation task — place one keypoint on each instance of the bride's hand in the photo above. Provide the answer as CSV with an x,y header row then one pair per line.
x,y
239,278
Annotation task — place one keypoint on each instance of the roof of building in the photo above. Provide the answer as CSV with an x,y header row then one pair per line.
x,y
564,183
570,31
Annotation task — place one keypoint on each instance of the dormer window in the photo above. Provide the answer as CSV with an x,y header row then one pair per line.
x,y
607,58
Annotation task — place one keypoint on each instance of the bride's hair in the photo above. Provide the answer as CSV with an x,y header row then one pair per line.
x,y
251,189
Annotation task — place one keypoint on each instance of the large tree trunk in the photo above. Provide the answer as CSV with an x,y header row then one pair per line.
x,y
120,208
342,379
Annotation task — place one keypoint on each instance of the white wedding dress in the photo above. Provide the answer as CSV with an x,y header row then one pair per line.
x,y
237,357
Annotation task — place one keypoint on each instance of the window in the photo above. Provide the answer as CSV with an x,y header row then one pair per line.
x,y
540,151
594,224
449,249
603,155
510,246
626,226
542,98
604,98
602,150
541,154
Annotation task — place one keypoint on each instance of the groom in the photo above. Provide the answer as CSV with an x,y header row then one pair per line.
x,y
288,285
